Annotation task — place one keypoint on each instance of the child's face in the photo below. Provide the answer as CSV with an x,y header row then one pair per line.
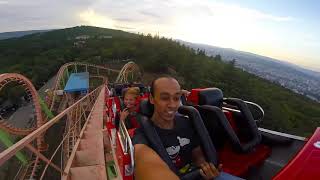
x,y
129,100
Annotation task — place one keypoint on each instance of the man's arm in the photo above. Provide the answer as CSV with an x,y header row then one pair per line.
x,y
208,170
148,165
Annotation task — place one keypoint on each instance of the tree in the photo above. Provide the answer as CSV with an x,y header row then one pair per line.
x,y
218,58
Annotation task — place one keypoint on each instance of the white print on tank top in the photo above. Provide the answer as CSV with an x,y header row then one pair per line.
x,y
173,151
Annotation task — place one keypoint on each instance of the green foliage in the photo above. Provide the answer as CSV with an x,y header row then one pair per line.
x,y
39,57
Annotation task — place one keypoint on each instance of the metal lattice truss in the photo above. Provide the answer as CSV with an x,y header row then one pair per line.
x,y
75,116
129,70
63,75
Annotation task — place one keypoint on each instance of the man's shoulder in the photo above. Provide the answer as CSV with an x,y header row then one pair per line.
x,y
182,120
179,117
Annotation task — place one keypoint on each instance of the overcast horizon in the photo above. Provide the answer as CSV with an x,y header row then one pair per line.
x,y
286,30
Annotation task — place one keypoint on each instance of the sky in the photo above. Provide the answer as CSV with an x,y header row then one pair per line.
x,y
287,30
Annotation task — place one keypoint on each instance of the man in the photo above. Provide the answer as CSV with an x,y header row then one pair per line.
x,y
177,135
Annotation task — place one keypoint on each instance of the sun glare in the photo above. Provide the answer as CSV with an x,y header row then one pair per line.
x,y
212,23
91,18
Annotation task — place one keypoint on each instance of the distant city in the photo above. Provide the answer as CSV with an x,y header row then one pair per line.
x,y
296,82
302,81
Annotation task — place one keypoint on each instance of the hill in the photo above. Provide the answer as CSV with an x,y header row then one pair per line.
x,y
298,79
16,34
38,56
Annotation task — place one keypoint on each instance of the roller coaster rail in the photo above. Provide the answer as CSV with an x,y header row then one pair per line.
x,y
64,71
75,117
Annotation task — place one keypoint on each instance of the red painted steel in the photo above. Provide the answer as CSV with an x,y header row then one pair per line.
x,y
305,165
32,93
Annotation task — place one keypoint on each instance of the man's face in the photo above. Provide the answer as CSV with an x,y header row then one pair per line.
x,y
166,99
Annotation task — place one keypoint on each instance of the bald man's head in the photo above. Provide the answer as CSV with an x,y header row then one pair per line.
x,y
165,96
161,80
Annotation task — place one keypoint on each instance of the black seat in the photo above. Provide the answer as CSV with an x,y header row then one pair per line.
x,y
146,108
139,85
211,96
211,101
118,88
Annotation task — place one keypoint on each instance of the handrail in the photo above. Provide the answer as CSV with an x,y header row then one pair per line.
x,y
128,146
259,107
299,138
61,143
230,108
72,156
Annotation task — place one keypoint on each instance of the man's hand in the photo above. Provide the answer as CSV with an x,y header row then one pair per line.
x,y
124,114
185,92
209,171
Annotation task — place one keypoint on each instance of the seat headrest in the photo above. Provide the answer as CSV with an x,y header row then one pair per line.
x,y
146,108
211,96
118,89
123,91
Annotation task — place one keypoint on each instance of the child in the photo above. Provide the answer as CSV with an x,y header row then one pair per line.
x,y
128,114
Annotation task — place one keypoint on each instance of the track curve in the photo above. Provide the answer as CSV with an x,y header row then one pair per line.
x,y
128,68
31,93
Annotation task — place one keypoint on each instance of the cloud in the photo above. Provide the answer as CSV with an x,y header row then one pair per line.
x,y
148,13
125,28
211,22
206,21
4,2
18,14
90,17
44,14
181,18
125,19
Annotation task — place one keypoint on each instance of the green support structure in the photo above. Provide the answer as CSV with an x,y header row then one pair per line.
x,y
7,141
111,170
68,75
65,76
45,108
63,82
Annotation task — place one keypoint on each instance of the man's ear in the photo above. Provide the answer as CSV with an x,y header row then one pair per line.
x,y
151,99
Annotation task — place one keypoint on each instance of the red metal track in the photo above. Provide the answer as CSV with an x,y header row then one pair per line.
x,y
31,92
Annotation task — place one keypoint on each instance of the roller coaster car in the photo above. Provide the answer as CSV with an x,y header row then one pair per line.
x,y
118,89
118,93
120,139
248,151
8,109
229,135
120,135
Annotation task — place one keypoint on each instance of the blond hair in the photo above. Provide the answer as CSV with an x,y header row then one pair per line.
x,y
135,91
